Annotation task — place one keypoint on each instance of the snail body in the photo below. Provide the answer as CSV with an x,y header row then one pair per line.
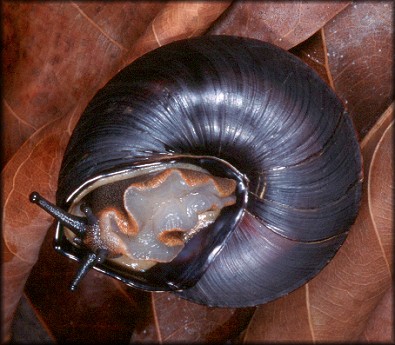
x,y
264,148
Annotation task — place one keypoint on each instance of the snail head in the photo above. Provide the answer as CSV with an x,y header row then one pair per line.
x,y
83,227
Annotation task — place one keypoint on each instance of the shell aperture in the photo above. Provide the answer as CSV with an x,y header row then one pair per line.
x,y
161,213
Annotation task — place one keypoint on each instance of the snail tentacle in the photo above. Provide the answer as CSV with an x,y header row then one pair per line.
x,y
86,264
92,219
76,224
82,227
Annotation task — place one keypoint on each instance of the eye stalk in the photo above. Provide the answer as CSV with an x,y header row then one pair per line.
x,y
82,227
76,224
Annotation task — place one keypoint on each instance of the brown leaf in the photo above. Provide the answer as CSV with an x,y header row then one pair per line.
x,y
313,52
380,327
380,191
24,226
177,20
56,55
284,24
360,55
337,304
174,319
121,21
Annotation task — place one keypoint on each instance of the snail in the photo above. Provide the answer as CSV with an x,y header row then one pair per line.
x,y
220,168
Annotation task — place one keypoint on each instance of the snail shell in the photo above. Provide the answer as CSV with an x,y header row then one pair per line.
x,y
237,109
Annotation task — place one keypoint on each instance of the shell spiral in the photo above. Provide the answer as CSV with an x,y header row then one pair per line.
x,y
262,110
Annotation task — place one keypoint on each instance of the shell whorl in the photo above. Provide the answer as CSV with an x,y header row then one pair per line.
x,y
264,112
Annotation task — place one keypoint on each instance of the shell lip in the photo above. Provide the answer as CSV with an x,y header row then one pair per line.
x,y
189,266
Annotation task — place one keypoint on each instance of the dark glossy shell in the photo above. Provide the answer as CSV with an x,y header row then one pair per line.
x,y
262,110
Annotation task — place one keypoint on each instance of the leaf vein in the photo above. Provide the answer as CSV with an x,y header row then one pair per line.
x,y
308,306
119,45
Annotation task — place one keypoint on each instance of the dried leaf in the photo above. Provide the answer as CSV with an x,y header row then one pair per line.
x,y
174,319
313,52
36,164
177,20
56,55
285,24
381,190
121,21
337,304
380,327
360,55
